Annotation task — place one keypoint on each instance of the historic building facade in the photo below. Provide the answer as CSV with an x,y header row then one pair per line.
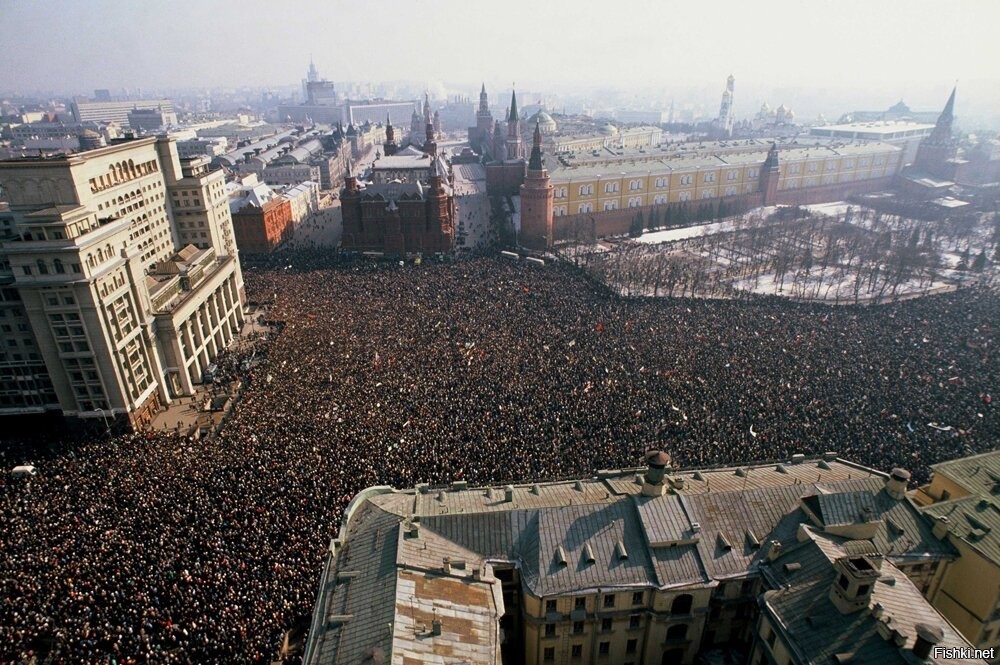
x,y
120,271
408,207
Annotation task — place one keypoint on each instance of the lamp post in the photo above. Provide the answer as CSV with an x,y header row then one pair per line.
x,y
107,426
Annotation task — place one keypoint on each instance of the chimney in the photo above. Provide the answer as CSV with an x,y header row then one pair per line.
x,y
896,485
927,637
508,493
941,527
856,578
657,461
775,551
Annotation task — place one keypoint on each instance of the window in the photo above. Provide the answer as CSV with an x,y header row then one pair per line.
x,y
677,632
577,627
731,176
635,185
604,648
576,651
842,581
580,604
634,621
634,202
549,655
611,205
709,177
682,604
660,182
637,597
794,168
550,630
609,600
631,645
685,196
687,179
58,265
610,187
606,625
708,193
863,589
550,606
586,207
659,199
26,270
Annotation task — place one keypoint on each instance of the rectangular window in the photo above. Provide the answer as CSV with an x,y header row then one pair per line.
x,y
580,603
550,606
606,625
577,627
634,621
609,600
604,648
576,651
631,646
549,655
550,630
637,598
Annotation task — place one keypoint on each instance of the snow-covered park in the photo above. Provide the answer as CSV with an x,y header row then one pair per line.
x,y
833,252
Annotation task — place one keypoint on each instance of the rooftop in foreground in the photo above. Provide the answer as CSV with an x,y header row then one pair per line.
x,y
413,574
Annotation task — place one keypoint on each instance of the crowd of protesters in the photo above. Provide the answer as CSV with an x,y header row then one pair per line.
x,y
153,548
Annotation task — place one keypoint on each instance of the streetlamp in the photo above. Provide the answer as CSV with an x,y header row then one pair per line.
x,y
107,426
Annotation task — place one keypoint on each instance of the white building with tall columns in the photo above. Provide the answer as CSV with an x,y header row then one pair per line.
x,y
119,280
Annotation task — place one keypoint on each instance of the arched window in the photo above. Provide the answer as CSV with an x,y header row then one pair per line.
x,y
58,265
677,632
682,604
43,269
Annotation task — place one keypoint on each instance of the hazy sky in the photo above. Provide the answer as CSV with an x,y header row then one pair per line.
x,y
79,45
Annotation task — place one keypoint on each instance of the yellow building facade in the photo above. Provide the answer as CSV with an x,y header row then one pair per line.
x,y
961,499
588,184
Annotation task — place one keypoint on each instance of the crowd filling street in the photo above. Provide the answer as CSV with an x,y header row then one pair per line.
x,y
153,548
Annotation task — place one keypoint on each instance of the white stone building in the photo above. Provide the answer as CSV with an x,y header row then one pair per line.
x,y
119,280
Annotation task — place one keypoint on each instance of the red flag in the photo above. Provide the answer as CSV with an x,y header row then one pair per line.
x,y
600,326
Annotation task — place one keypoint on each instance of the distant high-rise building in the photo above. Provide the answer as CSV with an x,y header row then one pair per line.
x,y
104,112
120,276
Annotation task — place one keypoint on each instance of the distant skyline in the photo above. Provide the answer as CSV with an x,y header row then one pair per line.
x,y
885,47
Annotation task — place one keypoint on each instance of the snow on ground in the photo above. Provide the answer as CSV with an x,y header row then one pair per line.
x,y
673,235
834,209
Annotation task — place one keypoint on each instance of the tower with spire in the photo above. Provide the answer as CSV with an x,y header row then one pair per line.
x,y
515,146
499,151
537,196
481,135
936,152
390,147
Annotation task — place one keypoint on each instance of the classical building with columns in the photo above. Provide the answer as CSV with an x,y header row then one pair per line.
x,y
119,280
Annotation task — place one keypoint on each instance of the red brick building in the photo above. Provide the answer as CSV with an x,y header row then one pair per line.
x,y
397,216
262,227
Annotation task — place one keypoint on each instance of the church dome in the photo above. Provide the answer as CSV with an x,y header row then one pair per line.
x,y
545,122
608,129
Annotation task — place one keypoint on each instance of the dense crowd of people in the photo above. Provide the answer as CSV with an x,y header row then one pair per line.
x,y
151,547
